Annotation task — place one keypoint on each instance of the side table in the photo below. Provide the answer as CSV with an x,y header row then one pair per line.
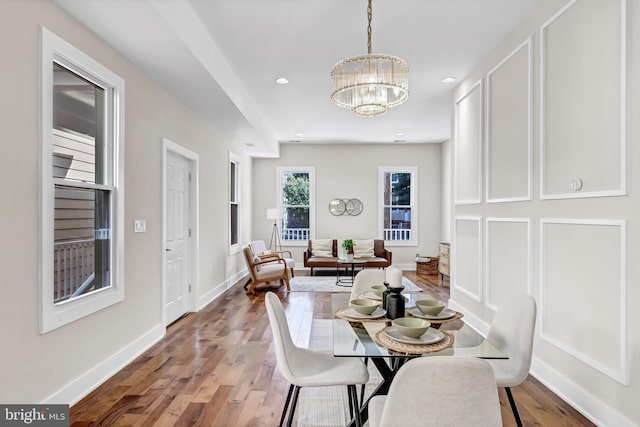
x,y
346,280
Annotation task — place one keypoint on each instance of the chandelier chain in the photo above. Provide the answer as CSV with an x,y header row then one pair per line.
x,y
369,16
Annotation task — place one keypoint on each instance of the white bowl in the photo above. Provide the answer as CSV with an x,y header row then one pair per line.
x,y
411,326
430,306
378,289
364,306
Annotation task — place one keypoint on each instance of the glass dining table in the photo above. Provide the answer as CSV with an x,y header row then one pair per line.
x,y
356,338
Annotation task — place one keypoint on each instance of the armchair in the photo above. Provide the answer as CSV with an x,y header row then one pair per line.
x,y
259,249
263,271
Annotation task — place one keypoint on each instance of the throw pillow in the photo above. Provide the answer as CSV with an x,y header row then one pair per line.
x,y
363,248
322,247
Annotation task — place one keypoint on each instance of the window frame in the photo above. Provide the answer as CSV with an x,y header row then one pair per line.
x,y
413,170
280,204
56,49
235,160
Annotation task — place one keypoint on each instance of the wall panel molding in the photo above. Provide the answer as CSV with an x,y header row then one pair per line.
x,y
507,259
583,101
509,155
577,256
468,135
467,251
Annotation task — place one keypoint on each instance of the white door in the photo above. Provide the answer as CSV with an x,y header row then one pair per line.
x,y
177,287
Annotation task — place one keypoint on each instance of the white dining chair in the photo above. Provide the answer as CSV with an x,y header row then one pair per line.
x,y
439,391
364,279
304,367
512,332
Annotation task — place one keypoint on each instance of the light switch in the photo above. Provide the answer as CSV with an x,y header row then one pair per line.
x,y
140,226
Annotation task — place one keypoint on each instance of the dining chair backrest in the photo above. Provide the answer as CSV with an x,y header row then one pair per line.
x,y
512,331
442,391
365,278
284,345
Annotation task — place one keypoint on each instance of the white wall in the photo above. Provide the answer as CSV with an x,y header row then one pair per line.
x,y
558,83
62,365
351,171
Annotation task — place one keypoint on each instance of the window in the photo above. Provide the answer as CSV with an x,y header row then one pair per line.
x,y
398,207
234,201
296,190
82,248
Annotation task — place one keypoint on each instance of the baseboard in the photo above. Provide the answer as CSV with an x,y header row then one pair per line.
x,y
584,402
221,288
93,378
580,399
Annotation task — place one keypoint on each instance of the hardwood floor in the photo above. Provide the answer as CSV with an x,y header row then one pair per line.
x,y
217,368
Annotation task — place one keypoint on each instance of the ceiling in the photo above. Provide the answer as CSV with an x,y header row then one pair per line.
x,y
222,57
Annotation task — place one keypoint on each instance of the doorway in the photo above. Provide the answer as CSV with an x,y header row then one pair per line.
x,y
180,249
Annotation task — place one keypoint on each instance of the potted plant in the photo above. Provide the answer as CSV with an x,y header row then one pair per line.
x,y
347,245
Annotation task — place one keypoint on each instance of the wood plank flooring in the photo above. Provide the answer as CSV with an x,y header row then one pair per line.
x,y
217,368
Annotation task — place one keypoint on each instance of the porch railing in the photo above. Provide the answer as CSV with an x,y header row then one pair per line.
x,y
295,234
73,267
397,234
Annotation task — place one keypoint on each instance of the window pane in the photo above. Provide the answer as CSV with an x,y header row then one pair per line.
x,y
78,120
296,205
401,183
295,224
82,236
234,224
82,227
295,189
232,182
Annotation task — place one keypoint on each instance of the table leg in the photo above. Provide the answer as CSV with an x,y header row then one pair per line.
x,y
387,374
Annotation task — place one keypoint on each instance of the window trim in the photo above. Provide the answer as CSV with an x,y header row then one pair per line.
x,y
235,159
413,170
55,49
311,170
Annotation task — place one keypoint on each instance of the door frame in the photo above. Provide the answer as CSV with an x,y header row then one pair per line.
x,y
193,158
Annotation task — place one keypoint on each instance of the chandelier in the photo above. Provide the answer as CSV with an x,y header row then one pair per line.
x,y
370,84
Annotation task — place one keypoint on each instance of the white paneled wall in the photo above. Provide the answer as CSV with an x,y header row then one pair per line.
x,y
547,206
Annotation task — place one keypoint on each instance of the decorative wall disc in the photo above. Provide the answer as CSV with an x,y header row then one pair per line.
x,y
337,207
351,207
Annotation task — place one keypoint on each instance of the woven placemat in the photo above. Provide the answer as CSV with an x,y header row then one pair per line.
x,y
341,315
385,340
440,321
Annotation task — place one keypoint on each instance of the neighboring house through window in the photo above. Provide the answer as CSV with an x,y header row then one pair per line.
x,y
296,193
398,208
82,248
234,203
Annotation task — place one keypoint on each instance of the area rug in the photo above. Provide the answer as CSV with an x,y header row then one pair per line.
x,y
328,406
328,284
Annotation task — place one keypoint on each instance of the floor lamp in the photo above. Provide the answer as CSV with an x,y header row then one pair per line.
x,y
274,214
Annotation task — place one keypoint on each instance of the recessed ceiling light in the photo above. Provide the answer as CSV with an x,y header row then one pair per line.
x,y
399,134
299,133
449,79
282,80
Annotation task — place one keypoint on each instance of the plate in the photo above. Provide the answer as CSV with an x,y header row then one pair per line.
x,y
372,295
352,313
447,313
430,337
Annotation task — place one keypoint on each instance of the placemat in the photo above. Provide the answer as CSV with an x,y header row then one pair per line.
x,y
340,315
384,340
